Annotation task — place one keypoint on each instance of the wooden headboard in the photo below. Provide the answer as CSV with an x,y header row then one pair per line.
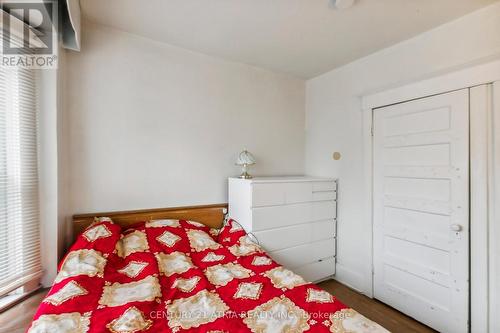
x,y
210,215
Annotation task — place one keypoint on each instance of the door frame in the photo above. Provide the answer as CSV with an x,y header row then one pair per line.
x,y
466,78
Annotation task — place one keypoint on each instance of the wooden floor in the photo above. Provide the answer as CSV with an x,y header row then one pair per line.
x,y
391,319
17,319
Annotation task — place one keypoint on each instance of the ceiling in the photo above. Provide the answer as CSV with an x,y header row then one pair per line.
x,y
304,38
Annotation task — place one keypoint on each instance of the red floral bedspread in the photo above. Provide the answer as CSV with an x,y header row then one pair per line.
x,y
181,276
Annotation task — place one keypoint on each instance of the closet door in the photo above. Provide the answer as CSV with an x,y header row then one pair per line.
x,y
421,209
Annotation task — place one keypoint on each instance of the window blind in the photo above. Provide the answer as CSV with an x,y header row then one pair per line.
x,y
19,218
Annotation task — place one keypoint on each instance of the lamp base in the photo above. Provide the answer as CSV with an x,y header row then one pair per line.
x,y
245,175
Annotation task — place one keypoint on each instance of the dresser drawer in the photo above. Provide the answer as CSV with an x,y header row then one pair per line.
x,y
318,270
281,238
323,210
281,193
324,186
288,215
272,194
304,254
324,195
268,194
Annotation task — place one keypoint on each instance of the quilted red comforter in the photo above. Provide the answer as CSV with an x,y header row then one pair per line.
x,y
181,276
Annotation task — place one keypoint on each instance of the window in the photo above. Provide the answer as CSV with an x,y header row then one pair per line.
x,y
20,263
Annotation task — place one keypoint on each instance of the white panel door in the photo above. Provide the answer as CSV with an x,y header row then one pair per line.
x,y
421,209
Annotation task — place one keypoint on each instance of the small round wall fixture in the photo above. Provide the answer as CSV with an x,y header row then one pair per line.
x,y
342,4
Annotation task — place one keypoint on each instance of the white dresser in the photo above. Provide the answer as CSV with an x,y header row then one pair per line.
x,y
293,219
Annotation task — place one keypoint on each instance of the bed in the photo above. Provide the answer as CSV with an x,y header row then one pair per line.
x,y
181,270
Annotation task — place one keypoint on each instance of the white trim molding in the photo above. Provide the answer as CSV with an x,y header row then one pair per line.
x,y
480,110
465,78
483,81
368,200
494,211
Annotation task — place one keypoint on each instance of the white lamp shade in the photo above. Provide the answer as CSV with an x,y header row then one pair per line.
x,y
245,158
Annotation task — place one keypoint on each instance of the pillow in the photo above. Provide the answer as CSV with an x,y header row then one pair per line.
x,y
101,236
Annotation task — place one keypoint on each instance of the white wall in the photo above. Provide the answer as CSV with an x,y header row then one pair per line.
x,y
52,161
50,238
334,118
151,125
494,218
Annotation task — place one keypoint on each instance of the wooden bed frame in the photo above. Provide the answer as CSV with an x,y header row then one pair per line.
x,y
210,215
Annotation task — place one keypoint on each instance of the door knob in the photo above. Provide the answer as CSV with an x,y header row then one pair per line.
x,y
456,227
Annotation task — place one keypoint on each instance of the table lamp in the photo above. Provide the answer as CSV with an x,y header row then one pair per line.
x,y
244,160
